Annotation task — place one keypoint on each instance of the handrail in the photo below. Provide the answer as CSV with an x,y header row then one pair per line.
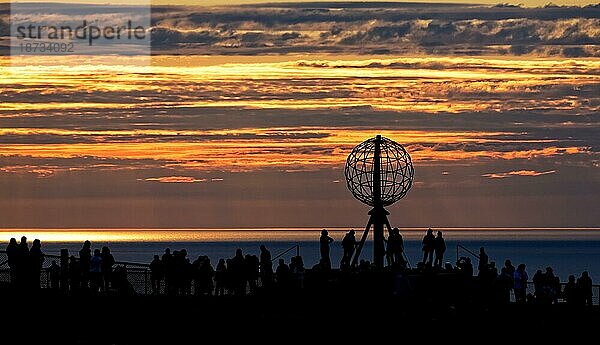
x,y
54,256
459,246
296,246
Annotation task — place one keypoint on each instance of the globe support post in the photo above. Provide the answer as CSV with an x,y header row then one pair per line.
x,y
378,211
378,173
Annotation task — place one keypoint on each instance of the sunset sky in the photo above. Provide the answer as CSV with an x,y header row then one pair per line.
x,y
246,116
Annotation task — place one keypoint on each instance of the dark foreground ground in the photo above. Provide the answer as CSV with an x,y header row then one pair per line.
x,y
276,319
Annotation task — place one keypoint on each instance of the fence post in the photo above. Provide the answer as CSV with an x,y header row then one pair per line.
x,y
64,270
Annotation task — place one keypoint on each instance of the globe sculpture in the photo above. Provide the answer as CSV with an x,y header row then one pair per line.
x,y
379,172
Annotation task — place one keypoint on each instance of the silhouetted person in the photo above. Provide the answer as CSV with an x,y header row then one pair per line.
x,y
157,274
12,253
187,274
266,267
521,284
74,274
483,262
585,287
465,267
96,271
22,263
205,277
395,248
551,286
251,268
440,249
34,265
167,260
510,271
538,284
238,278
85,255
570,292
348,245
297,272
108,261
283,274
220,276
54,273
506,281
120,282
428,247
324,242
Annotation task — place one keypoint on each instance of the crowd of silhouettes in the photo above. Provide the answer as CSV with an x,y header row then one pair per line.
x,y
93,271
174,273
547,288
25,264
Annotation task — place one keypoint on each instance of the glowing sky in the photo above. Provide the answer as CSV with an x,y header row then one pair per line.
x,y
528,3
253,130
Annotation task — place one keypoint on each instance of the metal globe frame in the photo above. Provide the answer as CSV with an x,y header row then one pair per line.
x,y
379,172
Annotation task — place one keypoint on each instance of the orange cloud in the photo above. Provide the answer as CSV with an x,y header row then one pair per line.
x,y
174,179
518,173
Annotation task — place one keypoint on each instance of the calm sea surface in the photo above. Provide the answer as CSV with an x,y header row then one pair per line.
x,y
568,251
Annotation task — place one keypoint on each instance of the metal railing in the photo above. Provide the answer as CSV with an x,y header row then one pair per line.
x,y
561,298
138,275
296,246
459,247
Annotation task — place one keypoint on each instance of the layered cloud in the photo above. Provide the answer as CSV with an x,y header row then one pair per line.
x,y
567,31
361,28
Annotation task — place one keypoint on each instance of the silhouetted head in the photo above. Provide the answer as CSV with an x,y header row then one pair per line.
x,y
23,239
281,262
571,278
155,257
482,250
87,244
105,250
183,252
439,234
36,243
351,232
12,241
507,263
238,252
585,274
262,247
521,267
168,251
429,231
549,270
324,233
96,252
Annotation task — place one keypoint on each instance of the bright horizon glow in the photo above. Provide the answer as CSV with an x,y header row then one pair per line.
x,y
276,234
